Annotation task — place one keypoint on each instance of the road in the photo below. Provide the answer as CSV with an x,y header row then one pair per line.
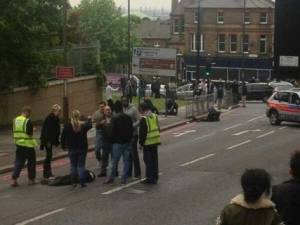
x,y
200,165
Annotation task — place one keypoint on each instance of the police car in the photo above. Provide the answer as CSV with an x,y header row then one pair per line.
x,y
284,106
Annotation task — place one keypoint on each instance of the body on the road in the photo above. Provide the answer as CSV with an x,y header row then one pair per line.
x,y
287,195
25,144
74,138
149,141
49,137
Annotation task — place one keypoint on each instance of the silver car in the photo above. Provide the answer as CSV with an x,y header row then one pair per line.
x,y
185,91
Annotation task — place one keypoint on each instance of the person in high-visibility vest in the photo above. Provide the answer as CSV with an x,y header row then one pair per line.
x,y
25,143
149,141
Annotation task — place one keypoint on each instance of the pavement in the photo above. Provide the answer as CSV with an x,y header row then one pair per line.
x,y
200,167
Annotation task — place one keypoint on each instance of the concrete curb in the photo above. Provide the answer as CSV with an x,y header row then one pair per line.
x,y
40,160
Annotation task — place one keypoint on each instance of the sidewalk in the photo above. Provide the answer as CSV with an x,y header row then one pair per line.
x,y
7,148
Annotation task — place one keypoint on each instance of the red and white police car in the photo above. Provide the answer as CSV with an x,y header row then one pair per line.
x,y
284,106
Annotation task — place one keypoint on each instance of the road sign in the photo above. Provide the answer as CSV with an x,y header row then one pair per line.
x,y
65,72
154,62
289,61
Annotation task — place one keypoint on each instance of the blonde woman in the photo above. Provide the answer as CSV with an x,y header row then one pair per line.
x,y
74,138
49,137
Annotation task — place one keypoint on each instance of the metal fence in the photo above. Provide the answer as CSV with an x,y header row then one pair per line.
x,y
199,105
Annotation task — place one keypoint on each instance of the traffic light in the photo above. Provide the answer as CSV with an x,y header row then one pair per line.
x,y
208,70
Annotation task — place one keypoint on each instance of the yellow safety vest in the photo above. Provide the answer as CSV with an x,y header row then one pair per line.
x,y
21,138
153,135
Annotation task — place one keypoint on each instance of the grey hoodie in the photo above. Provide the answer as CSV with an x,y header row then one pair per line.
x,y
135,117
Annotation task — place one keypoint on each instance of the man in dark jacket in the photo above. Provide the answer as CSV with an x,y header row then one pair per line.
x,y
122,134
49,137
286,196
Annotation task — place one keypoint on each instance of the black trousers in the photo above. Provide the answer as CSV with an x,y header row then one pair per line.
x,y
47,163
24,154
134,160
151,162
107,149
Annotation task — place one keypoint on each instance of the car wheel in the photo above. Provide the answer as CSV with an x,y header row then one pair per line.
x,y
274,118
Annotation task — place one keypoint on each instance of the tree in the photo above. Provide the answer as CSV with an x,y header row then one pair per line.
x,y
26,29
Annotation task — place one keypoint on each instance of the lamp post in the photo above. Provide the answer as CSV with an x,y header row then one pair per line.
x,y
243,39
198,45
129,41
178,65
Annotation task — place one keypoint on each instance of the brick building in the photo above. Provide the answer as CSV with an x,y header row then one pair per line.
x,y
222,23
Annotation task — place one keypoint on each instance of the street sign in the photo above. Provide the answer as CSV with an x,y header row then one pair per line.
x,y
154,62
289,61
65,72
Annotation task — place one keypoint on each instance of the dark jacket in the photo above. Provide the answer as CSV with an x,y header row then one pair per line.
x,y
286,196
220,91
75,141
235,88
122,128
50,130
239,212
244,89
106,130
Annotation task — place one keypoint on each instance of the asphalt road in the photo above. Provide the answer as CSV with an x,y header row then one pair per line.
x,y
200,165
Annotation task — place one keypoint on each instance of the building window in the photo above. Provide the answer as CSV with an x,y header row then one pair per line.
x,y
233,43
221,43
247,18
263,18
196,17
263,44
245,43
178,26
156,44
220,17
194,43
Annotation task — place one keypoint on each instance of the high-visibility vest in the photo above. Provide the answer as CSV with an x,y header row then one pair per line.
x,y
21,138
153,135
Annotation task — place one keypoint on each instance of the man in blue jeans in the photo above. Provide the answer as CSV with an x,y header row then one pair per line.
x,y
122,134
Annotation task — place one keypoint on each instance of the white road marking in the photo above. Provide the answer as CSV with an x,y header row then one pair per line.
x,y
234,126
204,136
266,134
197,160
282,128
124,186
40,217
246,131
184,133
256,118
238,145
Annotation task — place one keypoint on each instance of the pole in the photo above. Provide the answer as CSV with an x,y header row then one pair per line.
x,y
244,33
198,44
65,98
129,42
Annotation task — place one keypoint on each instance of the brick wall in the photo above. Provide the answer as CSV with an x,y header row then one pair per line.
x,y
84,95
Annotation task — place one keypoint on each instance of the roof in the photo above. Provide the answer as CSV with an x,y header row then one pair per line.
x,y
153,29
223,4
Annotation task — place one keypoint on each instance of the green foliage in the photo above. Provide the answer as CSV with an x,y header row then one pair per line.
x,y
26,28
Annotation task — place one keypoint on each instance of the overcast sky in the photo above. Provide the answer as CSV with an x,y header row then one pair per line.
x,y
135,4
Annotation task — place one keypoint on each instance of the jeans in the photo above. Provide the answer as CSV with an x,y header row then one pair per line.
x,y
107,150
98,145
119,150
151,162
23,154
77,159
134,158
47,163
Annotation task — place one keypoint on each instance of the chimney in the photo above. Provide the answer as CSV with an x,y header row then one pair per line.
x,y
174,5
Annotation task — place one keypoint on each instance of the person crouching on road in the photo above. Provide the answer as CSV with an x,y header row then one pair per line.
x,y
49,137
122,133
149,141
253,207
74,137
25,143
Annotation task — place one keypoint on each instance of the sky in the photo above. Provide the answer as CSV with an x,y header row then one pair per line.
x,y
136,4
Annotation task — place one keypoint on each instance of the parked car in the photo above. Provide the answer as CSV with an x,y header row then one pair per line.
x,y
258,91
148,90
284,106
185,91
281,85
